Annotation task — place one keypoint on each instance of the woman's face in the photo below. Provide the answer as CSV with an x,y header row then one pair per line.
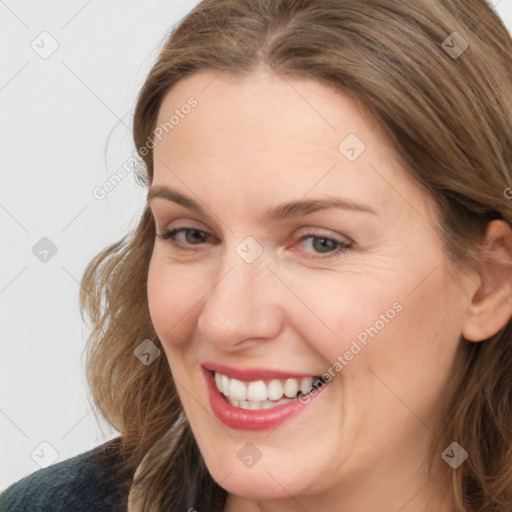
x,y
267,295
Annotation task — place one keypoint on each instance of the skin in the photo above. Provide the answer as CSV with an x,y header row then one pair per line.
x,y
250,144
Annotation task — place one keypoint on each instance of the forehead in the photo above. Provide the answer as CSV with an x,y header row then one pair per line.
x,y
286,137
255,106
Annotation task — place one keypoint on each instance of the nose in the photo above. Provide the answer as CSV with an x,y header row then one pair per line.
x,y
243,306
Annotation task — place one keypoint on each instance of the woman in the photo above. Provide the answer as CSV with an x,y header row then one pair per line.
x,y
314,310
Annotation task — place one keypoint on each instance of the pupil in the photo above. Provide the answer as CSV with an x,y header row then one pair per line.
x,y
195,232
322,246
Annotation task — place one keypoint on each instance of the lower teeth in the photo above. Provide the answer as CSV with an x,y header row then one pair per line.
x,y
254,405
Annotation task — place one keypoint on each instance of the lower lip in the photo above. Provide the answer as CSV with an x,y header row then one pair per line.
x,y
246,419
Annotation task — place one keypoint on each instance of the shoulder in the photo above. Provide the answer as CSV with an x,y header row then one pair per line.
x,y
81,483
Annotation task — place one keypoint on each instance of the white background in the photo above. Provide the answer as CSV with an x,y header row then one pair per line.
x,y
65,128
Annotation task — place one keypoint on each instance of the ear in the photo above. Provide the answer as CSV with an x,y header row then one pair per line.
x,y
491,302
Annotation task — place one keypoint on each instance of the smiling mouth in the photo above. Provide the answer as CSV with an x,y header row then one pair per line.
x,y
264,394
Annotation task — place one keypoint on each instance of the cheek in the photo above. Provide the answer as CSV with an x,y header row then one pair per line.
x,y
412,358
172,295
334,311
361,324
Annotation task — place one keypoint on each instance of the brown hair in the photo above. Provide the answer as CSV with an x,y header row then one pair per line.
x,y
449,119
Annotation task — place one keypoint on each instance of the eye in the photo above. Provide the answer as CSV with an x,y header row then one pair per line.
x,y
324,246
327,247
198,236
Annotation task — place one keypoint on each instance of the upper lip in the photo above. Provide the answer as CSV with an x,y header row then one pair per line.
x,y
252,374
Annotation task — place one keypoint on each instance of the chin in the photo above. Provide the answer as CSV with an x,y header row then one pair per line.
x,y
264,481
253,486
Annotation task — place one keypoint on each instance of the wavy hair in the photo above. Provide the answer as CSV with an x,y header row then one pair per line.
x,y
449,119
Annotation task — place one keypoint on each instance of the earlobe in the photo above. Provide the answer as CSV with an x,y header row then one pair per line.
x,y
490,308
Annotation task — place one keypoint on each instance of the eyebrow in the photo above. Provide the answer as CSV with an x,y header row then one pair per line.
x,y
283,211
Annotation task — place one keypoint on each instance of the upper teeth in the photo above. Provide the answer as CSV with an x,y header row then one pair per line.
x,y
260,390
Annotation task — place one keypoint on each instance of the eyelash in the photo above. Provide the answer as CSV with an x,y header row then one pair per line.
x,y
343,247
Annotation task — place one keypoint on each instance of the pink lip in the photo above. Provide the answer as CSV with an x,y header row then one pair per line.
x,y
250,374
245,419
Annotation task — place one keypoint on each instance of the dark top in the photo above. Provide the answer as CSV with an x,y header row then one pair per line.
x,y
85,483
